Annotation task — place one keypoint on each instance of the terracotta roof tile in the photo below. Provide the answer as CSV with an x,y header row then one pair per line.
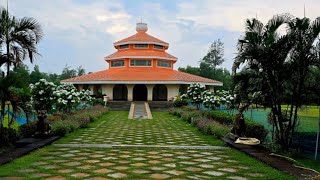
x,y
141,37
141,74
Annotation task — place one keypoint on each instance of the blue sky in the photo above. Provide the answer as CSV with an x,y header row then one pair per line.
x,y
81,32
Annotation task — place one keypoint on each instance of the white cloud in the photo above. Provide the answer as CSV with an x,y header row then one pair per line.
x,y
85,31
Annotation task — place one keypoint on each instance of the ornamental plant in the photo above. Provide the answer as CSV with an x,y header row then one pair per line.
x,y
195,94
67,97
42,95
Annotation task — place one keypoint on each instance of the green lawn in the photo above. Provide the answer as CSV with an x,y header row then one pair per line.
x,y
63,161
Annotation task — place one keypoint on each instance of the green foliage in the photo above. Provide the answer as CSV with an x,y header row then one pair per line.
x,y
279,68
179,102
27,130
219,74
214,57
218,130
8,136
79,119
218,123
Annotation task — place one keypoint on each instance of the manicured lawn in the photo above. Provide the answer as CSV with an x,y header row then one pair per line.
x,y
61,160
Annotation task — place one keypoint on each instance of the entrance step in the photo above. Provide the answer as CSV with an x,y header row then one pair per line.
x,y
140,110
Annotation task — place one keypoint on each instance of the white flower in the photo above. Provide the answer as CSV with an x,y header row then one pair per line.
x,y
41,92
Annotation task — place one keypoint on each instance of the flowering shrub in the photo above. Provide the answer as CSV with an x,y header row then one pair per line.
x,y
198,94
42,95
66,96
195,93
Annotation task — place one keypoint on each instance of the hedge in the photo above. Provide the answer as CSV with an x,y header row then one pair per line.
x,y
79,119
218,123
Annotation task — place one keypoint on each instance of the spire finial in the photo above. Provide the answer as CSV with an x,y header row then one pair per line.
x,y
142,27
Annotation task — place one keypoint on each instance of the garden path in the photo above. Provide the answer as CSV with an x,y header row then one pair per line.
x,y
115,147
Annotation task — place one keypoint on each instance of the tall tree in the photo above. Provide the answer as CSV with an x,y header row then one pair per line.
x,y
214,57
18,40
277,66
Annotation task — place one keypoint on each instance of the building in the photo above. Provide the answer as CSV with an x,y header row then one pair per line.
x,y
140,70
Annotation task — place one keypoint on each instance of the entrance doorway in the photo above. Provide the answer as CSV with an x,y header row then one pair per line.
x,y
140,92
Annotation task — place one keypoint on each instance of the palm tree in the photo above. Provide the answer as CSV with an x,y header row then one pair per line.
x,y
18,38
278,66
263,52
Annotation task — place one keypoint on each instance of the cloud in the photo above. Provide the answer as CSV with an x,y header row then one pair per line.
x,y
82,32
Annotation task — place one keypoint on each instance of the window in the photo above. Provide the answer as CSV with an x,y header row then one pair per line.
x,y
141,45
156,46
117,63
125,46
164,64
140,63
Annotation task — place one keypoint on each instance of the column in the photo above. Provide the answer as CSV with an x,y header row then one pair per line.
x,y
150,91
80,87
107,89
173,91
130,91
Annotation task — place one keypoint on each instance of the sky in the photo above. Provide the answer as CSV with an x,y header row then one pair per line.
x,y
82,32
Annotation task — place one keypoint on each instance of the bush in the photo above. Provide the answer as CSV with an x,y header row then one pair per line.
x,y
79,119
8,136
217,122
188,115
221,117
218,130
256,130
61,127
27,130
253,129
175,111
179,102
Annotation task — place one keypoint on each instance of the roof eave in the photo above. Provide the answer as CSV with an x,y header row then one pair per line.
x,y
142,82
148,57
140,42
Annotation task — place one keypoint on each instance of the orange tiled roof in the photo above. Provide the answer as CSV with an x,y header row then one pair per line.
x,y
140,53
141,37
141,74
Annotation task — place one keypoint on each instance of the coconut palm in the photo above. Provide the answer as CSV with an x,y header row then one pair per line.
x,y
278,65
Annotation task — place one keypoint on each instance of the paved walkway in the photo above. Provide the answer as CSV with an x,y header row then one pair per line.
x,y
162,148
140,111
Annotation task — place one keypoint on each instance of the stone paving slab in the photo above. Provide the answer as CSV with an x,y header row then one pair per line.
x,y
120,130
91,163
138,146
162,148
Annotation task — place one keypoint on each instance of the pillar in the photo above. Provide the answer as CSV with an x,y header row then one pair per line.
x,y
107,89
173,91
80,87
150,91
130,91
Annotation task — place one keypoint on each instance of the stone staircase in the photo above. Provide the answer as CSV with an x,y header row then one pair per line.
x,y
119,105
139,110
